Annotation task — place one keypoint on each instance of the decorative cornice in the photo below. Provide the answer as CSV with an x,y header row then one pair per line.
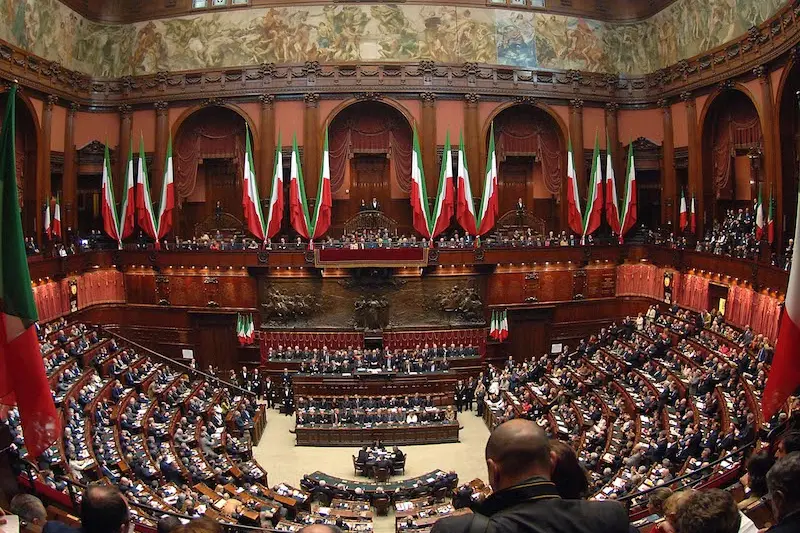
x,y
525,99
368,96
213,101
311,99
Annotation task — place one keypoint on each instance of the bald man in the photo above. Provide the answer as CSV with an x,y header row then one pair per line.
x,y
519,464
321,528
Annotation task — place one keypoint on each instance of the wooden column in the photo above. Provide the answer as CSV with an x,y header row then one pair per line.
x,y
695,159
311,148
576,134
771,160
160,153
428,142
70,178
668,170
43,171
123,150
266,145
612,140
474,145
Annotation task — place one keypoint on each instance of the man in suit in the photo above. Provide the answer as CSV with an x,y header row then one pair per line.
x,y
783,481
519,464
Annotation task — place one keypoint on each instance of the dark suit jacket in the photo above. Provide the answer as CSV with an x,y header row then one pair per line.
x,y
534,506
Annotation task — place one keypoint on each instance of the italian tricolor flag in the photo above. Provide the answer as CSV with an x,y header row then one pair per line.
x,y
322,211
784,375
109,206
594,203
770,221
145,215
128,210
683,219
489,201
465,207
612,206
23,380
498,328
760,222
443,210
574,215
629,207
419,196
275,214
167,196
245,330
298,208
250,199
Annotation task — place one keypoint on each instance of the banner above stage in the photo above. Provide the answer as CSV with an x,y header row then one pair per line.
x,y
371,258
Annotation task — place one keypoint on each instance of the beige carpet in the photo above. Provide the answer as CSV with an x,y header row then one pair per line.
x,y
285,462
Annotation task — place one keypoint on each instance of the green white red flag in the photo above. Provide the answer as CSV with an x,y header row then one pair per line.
x,y
108,208
629,206
574,215
612,205
298,207
594,202
23,380
489,201
167,196
145,215
251,202
127,214
275,213
465,207
322,211
443,208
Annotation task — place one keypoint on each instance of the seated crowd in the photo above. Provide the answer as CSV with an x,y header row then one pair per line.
x,y
422,358
389,410
644,401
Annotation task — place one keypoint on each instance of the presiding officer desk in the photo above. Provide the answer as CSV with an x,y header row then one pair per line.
x,y
403,489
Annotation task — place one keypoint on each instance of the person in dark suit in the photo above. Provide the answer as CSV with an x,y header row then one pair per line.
x,y
783,480
519,464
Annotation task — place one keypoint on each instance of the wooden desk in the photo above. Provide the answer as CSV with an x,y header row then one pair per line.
x,y
391,435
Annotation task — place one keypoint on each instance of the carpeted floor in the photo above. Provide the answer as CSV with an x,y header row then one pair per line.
x,y
285,462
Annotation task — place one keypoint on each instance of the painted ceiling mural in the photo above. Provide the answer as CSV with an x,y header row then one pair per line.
x,y
382,32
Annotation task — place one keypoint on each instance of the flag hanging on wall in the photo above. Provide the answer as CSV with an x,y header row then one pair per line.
x,y
574,215
109,207
250,199
465,207
419,194
167,196
443,208
489,201
322,211
594,202
612,206
145,215
23,380
298,208
127,212
629,206
275,214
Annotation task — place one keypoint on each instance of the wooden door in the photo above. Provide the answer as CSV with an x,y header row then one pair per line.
x,y
514,175
370,180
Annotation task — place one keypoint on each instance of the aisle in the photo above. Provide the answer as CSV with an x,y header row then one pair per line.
x,y
284,461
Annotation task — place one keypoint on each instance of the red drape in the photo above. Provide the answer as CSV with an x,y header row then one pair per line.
x,y
747,307
640,280
409,339
691,291
52,300
213,132
739,307
527,131
100,287
370,128
734,127
334,340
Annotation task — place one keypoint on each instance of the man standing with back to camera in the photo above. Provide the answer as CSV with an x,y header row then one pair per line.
x,y
519,464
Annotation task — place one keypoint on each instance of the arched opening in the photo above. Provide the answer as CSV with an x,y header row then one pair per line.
x,y
26,147
733,146
531,165
790,153
370,147
209,157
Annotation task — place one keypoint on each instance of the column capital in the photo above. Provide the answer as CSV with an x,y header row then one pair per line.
x,y
688,97
664,103
50,101
266,100
73,107
576,103
472,99
311,99
612,107
761,73
525,99
428,99
161,107
125,110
